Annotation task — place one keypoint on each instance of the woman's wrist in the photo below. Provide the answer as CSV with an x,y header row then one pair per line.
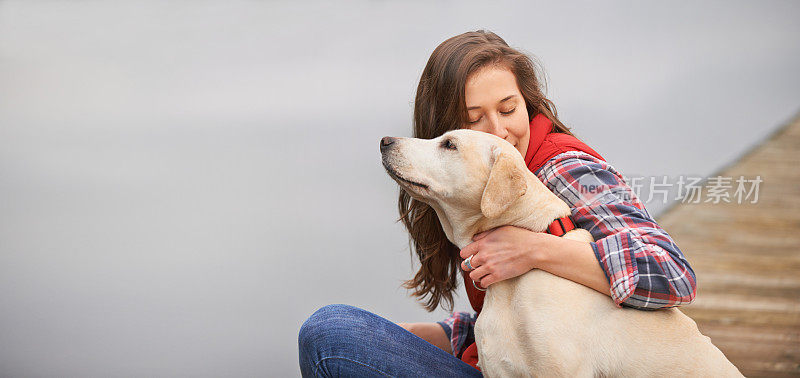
x,y
570,259
541,245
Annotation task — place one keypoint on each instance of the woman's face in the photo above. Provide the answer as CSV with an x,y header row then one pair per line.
x,y
495,106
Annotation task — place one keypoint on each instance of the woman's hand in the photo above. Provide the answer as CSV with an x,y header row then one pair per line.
x,y
506,252
502,253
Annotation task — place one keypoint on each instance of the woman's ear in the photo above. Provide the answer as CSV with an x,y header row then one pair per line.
x,y
505,185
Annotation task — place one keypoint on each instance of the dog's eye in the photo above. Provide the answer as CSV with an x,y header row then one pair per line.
x,y
447,144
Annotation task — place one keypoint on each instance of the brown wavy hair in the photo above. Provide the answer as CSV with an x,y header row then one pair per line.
x,y
440,106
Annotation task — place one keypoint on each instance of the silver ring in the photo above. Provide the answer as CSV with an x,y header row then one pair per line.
x,y
476,286
468,263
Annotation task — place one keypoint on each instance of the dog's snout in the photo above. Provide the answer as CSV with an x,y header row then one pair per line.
x,y
386,142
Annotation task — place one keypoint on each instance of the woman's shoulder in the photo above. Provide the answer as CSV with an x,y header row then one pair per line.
x,y
582,179
568,161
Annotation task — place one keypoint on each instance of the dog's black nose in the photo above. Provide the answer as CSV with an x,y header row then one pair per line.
x,y
386,142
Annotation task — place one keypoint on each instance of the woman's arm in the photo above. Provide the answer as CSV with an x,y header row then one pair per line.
x,y
571,259
511,251
430,332
643,265
628,243
452,335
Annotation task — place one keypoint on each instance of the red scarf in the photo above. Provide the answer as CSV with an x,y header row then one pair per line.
x,y
542,146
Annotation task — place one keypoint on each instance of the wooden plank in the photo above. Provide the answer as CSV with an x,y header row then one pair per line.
x,y
747,261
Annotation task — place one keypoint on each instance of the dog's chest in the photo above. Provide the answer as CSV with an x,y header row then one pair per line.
x,y
526,321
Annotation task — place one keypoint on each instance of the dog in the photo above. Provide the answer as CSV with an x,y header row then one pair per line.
x,y
539,324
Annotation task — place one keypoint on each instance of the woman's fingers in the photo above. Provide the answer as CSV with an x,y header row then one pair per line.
x,y
471,266
479,272
487,280
475,261
484,282
469,250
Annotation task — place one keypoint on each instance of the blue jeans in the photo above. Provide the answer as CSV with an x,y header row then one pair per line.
x,y
345,341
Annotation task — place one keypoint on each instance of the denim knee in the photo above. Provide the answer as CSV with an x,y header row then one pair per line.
x,y
324,332
341,340
333,316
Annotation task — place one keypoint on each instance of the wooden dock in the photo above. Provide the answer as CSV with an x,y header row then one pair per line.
x,y
747,260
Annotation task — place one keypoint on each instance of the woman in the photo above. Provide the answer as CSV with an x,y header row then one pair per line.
x,y
476,81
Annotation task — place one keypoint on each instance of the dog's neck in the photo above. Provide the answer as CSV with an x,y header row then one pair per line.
x,y
534,211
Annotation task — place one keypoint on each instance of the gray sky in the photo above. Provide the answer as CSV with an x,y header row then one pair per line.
x,y
183,183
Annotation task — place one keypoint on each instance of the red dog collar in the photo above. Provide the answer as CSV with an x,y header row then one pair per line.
x,y
561,226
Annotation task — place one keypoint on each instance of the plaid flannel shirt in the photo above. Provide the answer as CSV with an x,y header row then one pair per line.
x,y
645,268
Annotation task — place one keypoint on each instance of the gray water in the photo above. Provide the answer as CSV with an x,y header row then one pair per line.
x,y
183,183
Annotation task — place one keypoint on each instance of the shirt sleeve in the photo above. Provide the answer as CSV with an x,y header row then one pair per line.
x,y
643,265
460,328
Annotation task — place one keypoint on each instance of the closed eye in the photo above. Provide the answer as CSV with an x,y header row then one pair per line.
x,y
448,144
509,112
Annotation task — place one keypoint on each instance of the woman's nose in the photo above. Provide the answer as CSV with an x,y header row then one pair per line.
x,y
496,128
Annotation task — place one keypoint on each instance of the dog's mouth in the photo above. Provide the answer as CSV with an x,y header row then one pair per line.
x,y
397,176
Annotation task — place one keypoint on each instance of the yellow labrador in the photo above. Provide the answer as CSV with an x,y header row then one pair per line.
x,y
539,324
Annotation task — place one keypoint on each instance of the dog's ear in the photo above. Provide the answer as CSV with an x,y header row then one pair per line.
x,y
506,184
